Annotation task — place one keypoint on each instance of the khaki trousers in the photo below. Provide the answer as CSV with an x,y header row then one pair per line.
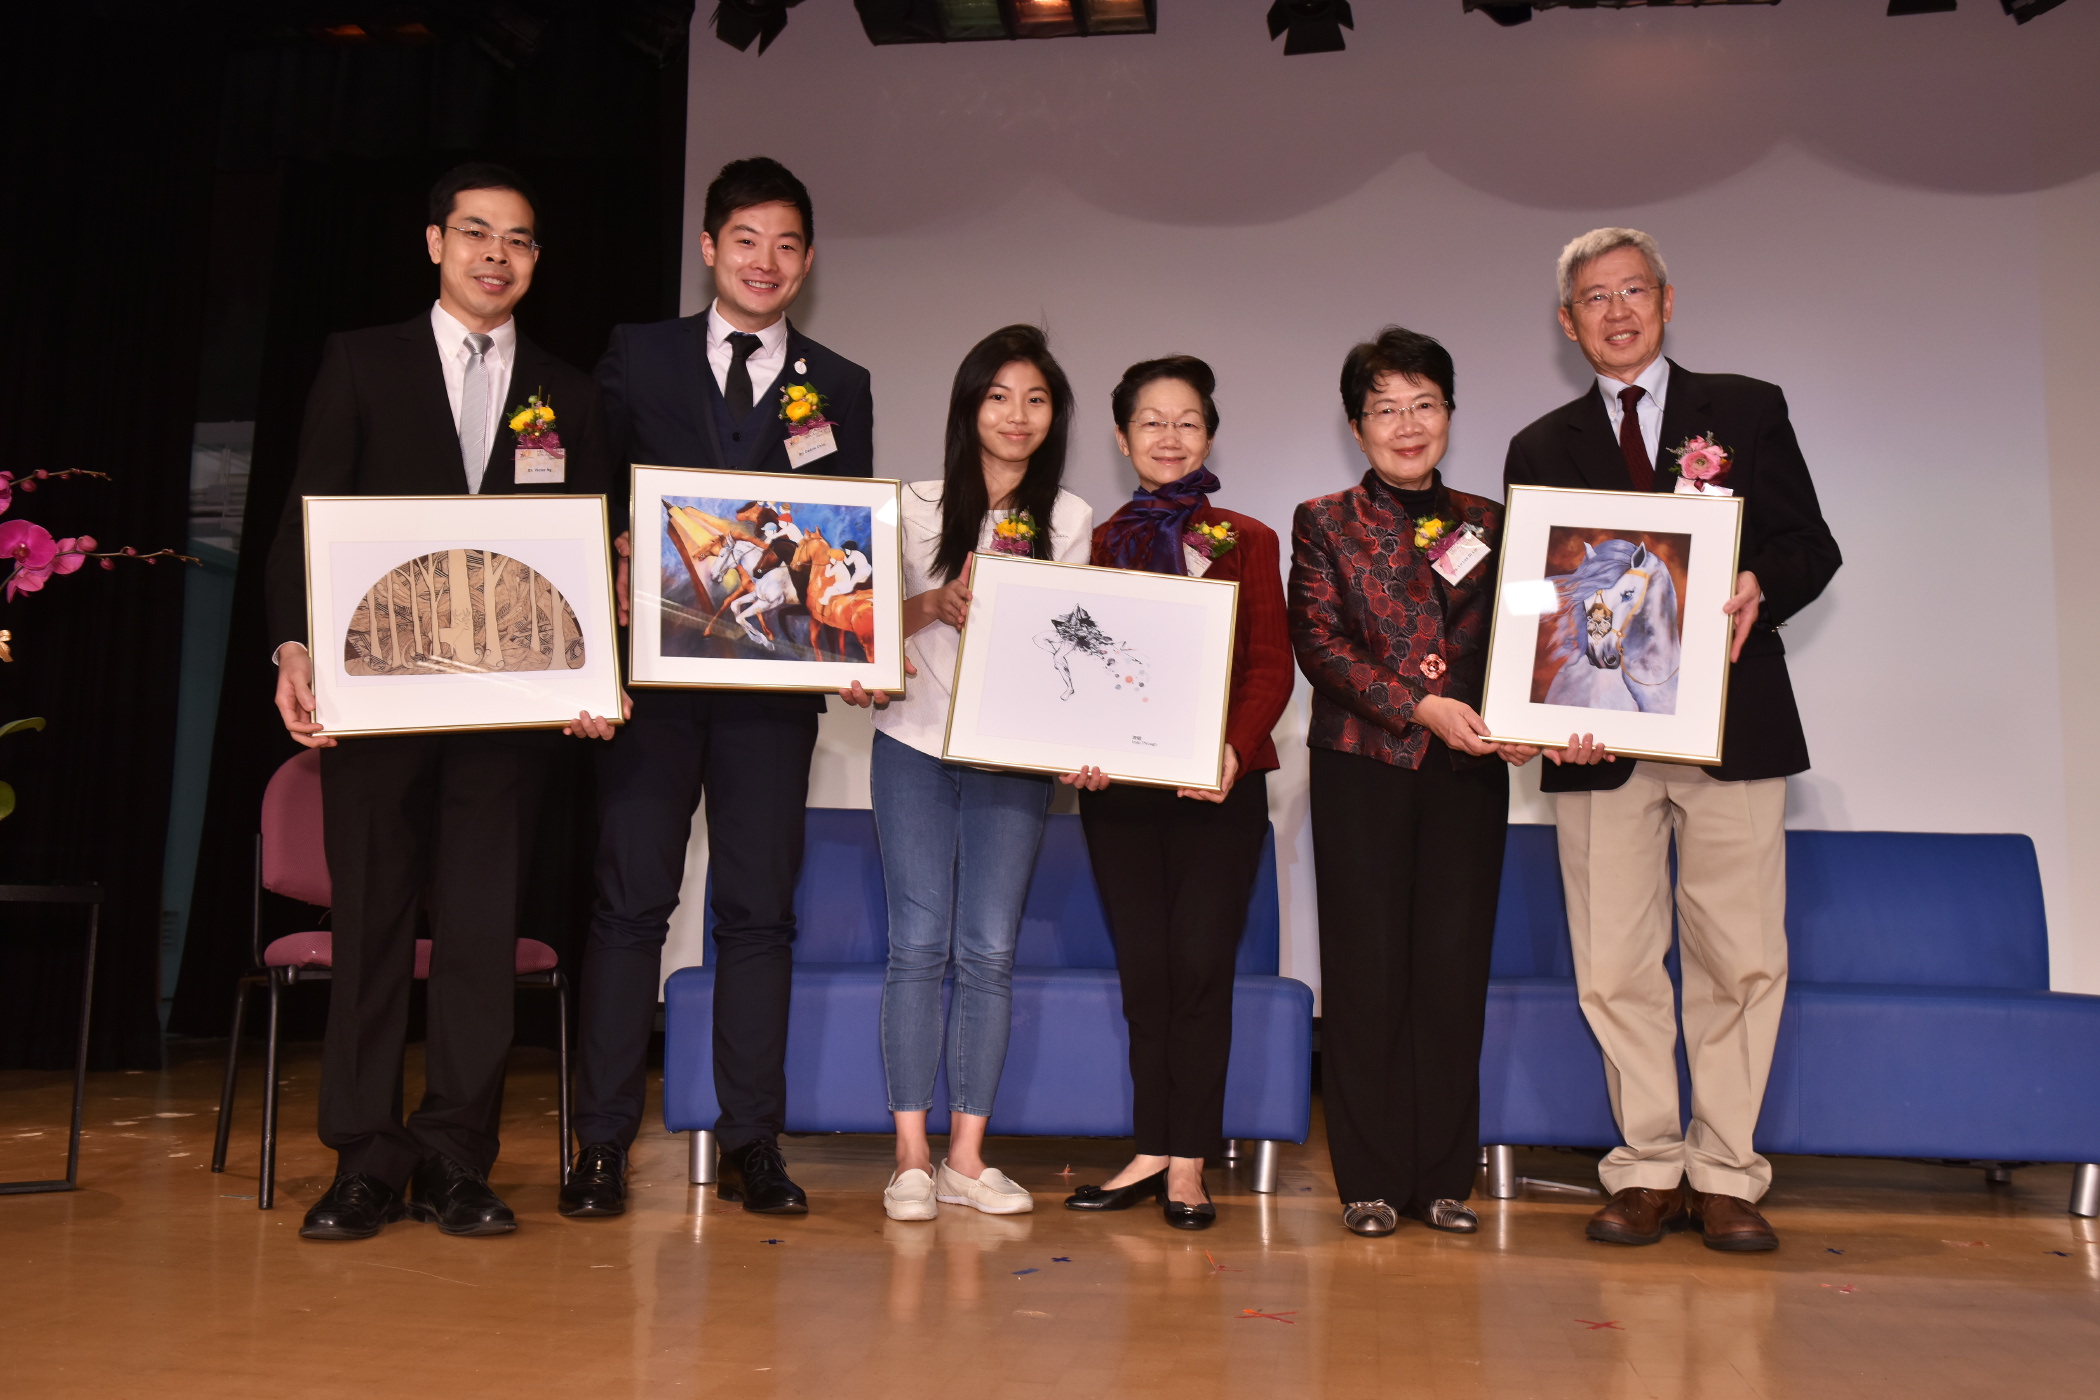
x,y
1731,907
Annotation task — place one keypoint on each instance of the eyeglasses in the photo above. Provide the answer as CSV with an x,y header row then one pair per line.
x,y
1596,302
1153,427
479,238
1423,411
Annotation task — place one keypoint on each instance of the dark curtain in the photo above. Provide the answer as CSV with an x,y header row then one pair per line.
x,y
108,138
589,107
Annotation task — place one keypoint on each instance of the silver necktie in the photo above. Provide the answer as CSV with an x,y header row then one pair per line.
x,y
474,412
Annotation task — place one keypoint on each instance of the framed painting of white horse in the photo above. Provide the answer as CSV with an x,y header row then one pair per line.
x,y
1608,621
764,582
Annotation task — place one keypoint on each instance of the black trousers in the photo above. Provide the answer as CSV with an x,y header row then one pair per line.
x,y
1174,876
749,755
1408,865
442,822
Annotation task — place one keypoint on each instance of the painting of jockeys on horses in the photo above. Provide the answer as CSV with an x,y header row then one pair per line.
x,y
767,580
1615,640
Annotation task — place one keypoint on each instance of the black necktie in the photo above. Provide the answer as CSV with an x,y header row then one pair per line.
x,y
738,390
1631,443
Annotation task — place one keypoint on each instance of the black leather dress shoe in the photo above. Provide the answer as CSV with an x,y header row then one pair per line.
x,y
355,1208
1153,1187
597,1184
458,1199
1187,1217
757,1175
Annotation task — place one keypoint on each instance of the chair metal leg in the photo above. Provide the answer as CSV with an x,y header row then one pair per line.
x,y
2085,1189
266,1176
1502,1183
702,1161
233,1069
1232,1149
80,1054
561,1052
1268,1164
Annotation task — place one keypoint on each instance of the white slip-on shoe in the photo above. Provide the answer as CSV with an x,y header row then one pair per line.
x,y
994,1193
909,1196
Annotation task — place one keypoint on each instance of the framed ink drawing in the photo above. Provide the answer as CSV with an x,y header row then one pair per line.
x,y
1608,621
1065,666
431,613
766,582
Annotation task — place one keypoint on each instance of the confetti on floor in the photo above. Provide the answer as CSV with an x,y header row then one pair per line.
x,y
1060,1258
1283,1317
772,1241
1966,1244
1599,1326
1217,1268
229,1196
1833,1251
1067,1171
1019,1272
1841,1287
2058,1253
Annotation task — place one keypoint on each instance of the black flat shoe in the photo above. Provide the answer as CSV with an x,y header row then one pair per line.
x,y
457,1199
1148,1188
756,1174
597,1184
1187,1217
354,1208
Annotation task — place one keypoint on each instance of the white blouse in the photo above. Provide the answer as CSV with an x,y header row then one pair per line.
x,y
920,719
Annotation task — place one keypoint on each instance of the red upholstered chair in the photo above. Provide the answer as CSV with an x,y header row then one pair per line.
x,y
290,860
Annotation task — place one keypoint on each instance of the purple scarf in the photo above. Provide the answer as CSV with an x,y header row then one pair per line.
x,y
1146,534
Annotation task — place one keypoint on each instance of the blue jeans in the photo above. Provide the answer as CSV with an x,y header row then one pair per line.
x,y
958,847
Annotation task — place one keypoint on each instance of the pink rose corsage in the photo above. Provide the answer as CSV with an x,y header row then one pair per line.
x,y
1702,461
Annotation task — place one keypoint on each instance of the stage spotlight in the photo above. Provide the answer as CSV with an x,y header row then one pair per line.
x,y
2025,10
1919,7
1313,26
957,21
738,22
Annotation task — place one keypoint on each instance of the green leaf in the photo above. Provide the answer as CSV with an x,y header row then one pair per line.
x,y
11,726
7,801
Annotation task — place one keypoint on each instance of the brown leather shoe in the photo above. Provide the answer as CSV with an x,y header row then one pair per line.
x,y
1639,1215
1731,1223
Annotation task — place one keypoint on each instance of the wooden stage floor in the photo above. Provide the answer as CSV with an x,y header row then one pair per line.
x,y
159,1279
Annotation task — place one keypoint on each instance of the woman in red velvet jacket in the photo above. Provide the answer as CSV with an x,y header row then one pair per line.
x,y
1175,868
1391,597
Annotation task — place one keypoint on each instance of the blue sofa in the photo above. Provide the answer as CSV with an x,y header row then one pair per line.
x,y
1918,1023
1067,1067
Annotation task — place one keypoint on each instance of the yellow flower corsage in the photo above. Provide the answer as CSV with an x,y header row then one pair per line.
x,y
802,408
1428,531
533,422
1211,541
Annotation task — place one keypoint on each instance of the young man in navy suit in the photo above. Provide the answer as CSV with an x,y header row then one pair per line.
x,y
704,391
1616,820
441,821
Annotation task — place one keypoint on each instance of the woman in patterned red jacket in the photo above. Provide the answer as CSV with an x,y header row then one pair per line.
x,y
1391,596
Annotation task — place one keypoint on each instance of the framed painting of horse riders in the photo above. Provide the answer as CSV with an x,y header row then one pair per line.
x,y
756,581
1608,621
1069,666
437,613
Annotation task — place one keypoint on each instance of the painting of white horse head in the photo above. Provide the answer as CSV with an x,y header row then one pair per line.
x,y
1613,643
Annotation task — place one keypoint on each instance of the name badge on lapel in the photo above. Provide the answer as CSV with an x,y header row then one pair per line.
x,y
1461,555
540,466
804,448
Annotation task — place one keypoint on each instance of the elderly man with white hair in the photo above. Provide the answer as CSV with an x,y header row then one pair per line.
x,y
1651,425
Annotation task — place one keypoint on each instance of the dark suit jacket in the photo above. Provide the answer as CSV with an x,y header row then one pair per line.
x,y
378,424
660,398
1785,543
1376,628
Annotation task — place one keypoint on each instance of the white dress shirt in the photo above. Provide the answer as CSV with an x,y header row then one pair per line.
x,y
1656,380
765,363
920,719
453,354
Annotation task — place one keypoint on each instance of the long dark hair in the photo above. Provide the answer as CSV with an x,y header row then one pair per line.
x,y
964,500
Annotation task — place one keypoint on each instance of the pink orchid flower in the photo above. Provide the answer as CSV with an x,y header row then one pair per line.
x,y
37,556
1702,460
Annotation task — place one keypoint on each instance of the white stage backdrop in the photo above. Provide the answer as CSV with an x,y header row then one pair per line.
x,y
1894,219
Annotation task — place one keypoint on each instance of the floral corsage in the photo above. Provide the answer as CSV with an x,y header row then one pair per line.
x,y
1211,542
1433,535
1014,535
1702,461
533,422
802,409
